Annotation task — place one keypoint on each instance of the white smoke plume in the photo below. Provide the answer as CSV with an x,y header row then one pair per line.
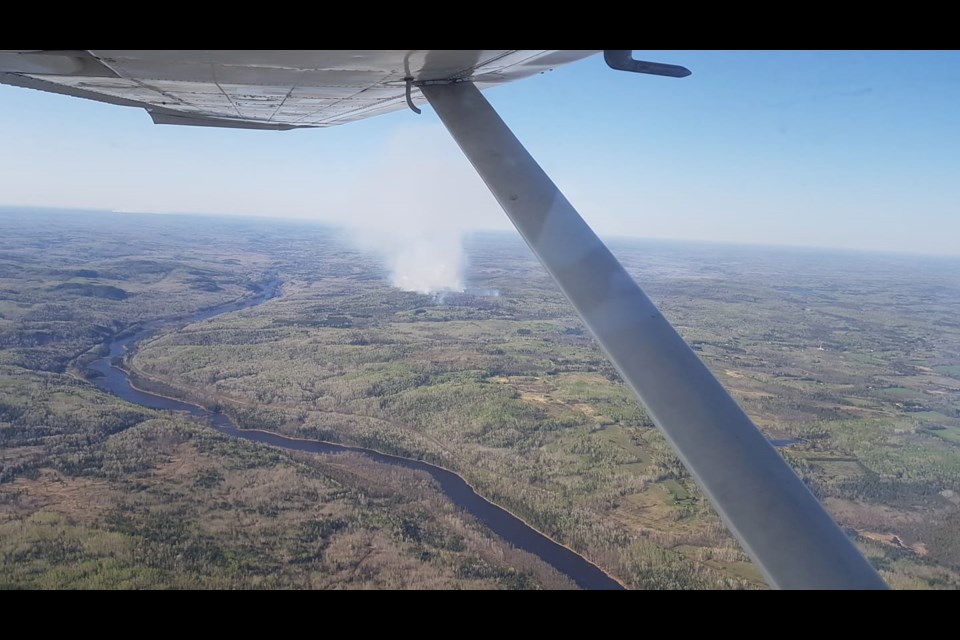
x,y
415,207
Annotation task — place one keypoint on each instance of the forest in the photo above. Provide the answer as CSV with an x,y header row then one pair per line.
x,y
849,362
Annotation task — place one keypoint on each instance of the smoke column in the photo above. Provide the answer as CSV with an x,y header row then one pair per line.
x,y
415,207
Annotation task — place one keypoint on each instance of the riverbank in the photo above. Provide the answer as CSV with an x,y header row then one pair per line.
x,y
508,526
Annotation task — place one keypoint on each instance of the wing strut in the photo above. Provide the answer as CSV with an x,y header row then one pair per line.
x,y
780,524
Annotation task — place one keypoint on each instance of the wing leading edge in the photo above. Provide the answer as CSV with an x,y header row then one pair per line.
x,y
276,90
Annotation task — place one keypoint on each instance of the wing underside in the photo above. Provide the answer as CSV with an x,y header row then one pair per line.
x,y
266,89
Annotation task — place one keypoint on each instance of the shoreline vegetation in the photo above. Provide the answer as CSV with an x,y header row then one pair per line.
x,y
363,450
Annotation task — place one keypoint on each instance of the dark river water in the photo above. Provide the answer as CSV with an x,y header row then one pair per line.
x,y
501,522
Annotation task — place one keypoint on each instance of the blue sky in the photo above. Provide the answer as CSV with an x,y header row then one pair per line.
x,y
840,149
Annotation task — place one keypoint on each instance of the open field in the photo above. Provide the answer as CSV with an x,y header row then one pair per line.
x,y
854,356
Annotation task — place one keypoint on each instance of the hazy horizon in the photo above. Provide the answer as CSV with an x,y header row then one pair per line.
x,y
609,239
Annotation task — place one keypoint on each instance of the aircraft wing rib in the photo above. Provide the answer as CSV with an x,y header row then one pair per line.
x,y
779,522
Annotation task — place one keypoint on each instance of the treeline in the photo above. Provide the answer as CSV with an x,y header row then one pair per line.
x,y
61,426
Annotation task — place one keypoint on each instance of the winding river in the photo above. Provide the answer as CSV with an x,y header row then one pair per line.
x,y
503,523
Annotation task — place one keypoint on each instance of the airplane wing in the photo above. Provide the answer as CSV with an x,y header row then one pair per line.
x,y
780,524
277,90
